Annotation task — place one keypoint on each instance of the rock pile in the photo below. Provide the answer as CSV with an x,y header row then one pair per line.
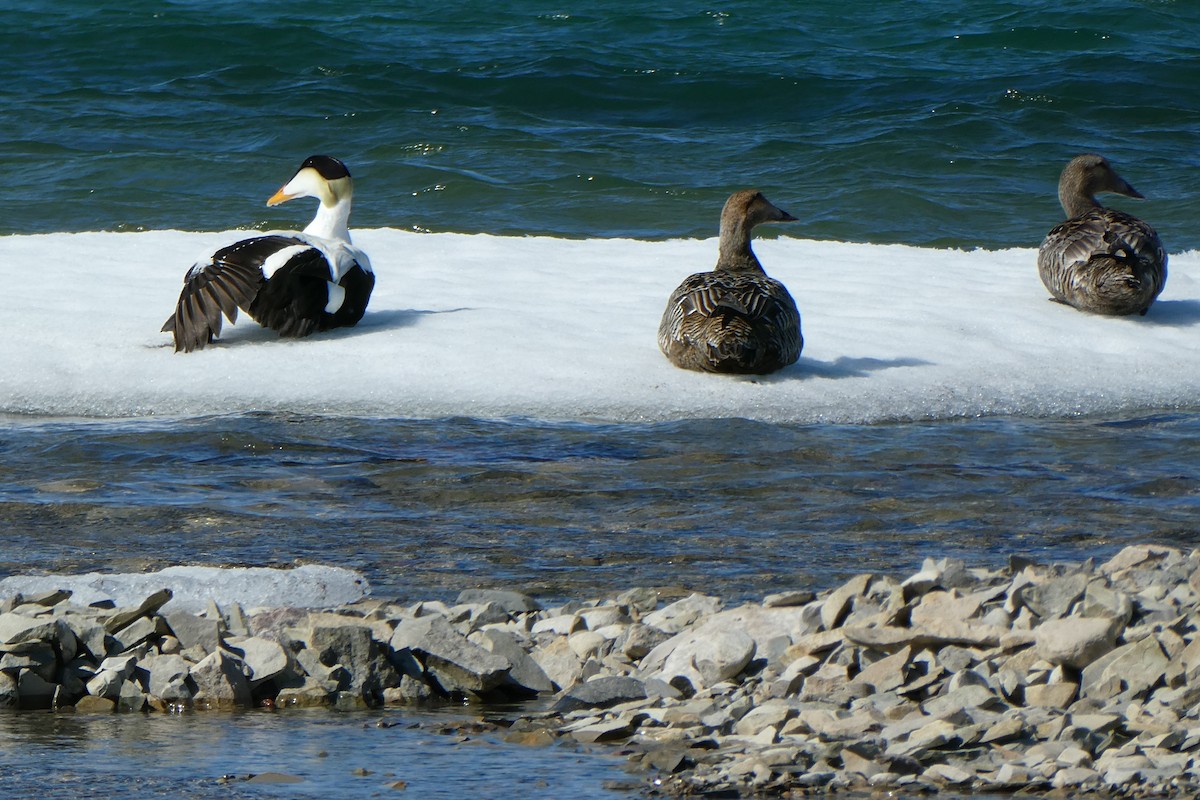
x,y
1080,678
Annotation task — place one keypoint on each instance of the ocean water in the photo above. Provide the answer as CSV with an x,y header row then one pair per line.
x,y
943,128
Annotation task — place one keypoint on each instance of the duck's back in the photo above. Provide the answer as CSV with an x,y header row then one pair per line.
x,y
734,322
1104,261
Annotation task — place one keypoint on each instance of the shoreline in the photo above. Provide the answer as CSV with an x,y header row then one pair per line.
x,y
1079,678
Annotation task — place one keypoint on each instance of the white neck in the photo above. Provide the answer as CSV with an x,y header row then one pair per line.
x,y
331,222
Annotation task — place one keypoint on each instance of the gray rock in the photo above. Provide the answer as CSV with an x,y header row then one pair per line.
x,y
353,647
38,656
135,633
559,662
1075,641
193,630
1132,668
638,640
167,678
454,662
682,613
1054,597
600,693
1051,695
220,682
523,670
149,606
512,602
837,606
10,697
264,658
702,657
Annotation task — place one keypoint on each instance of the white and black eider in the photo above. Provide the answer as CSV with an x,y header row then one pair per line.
x,y
734,319
1100,260
293,283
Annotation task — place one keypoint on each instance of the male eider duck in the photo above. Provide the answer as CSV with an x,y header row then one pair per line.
x,y
1100,260
294,283
734,319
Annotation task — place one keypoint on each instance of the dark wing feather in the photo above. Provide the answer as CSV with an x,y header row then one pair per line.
x,y
229,281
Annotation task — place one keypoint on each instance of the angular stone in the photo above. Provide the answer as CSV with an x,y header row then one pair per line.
x,y
702,657
600,693
1075,641
559,662
353,647
767,715
10,696
933,634
220,682
638,640
264,658
887,673
512,602
1051,695
1138,555
147,607
608,731
134,633
523,669
450,658
95,705
604,616
795,597
1052,598
837,606
193,630
682,613
1132,668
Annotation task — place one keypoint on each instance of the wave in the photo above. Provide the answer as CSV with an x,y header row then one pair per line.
x,y
493,327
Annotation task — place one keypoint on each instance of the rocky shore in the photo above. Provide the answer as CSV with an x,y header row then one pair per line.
x,y
1072,679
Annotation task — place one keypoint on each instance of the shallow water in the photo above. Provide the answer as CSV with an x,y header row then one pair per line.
x,y
317,753
426,508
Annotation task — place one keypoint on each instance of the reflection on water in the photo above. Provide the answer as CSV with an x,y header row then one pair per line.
x,y
427,508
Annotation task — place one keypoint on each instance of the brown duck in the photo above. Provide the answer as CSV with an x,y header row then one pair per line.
x,y
1100,260
734,319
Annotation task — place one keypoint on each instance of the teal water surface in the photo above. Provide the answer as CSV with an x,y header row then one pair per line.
x,y
945,124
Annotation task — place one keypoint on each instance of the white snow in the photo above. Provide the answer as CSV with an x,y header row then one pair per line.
x,y
547,328
308,586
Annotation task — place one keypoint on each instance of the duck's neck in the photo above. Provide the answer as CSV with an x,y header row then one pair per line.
x,y
1076,201
735,253
331,221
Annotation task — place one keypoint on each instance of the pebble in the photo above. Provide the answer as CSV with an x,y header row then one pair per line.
x,y
1077,679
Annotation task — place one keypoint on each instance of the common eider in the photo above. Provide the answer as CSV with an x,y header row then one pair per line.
x,y
293,283
734,319
1100,260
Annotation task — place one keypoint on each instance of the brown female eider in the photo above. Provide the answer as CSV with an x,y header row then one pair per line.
x,y
734,319
1100,260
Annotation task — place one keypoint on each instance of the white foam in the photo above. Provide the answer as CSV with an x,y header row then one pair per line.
x,y
492,326
308,586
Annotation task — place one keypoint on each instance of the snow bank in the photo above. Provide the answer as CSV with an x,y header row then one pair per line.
x,y
549,328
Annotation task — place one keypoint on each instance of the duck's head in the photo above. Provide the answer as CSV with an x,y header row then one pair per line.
x,y
748,208
322,177
1086,176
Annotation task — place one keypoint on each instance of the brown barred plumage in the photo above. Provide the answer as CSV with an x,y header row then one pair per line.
x,y
734,319
1101,260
